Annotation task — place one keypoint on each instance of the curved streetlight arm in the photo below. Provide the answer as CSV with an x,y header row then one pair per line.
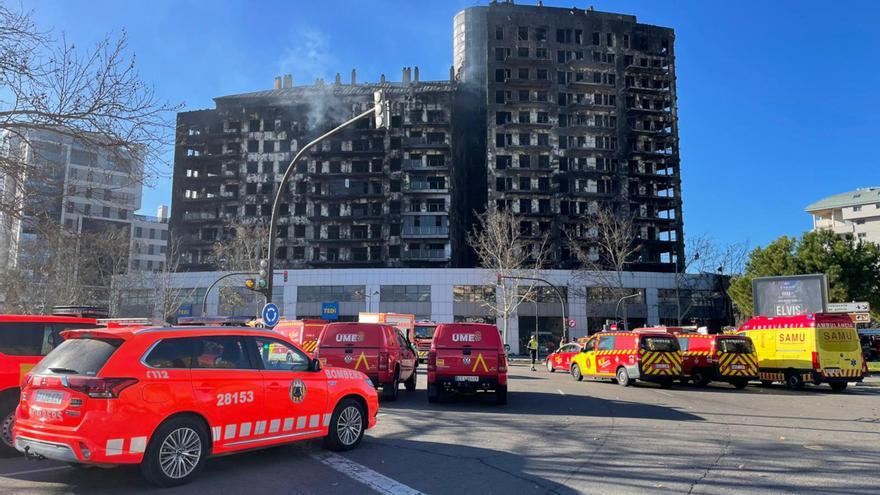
x,y
205,299
617,309
276,205
558,294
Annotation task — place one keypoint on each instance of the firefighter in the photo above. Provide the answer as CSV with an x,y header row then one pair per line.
x,y
533,350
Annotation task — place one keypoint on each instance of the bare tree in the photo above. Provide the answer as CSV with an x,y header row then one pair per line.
x,y
605,245
241,248
61,267
502,248
94,96
704,259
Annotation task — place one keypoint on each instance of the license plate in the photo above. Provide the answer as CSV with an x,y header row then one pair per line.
x,y
661,366
832,370
47,397
467,378
737,366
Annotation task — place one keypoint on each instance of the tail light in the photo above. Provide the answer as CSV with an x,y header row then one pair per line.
x,y
502,362
383,361
432,361
815,360
99,388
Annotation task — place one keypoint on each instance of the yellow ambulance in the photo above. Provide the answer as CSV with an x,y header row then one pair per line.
x,y
815,348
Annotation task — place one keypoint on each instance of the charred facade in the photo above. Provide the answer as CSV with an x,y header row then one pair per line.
x,y
580,115
366,197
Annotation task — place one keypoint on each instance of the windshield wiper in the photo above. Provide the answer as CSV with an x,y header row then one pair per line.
x,y
66,371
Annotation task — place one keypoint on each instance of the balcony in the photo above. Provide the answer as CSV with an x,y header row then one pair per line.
x,y
426,187
425,255
424,231
423,142
416,165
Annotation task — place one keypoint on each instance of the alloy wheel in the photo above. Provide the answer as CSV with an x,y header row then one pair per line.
x,y
6,428
349,425
180,453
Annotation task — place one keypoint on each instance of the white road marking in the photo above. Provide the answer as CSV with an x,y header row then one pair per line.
x,y
560,391
365,475
667,394
32,471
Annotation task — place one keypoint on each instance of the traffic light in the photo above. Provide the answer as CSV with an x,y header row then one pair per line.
x,y
382,110
262,282
250,283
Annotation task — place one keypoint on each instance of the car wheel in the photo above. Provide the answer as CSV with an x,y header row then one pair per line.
x,y
7,421
838,386
576,373
550,367
501,395
701,379
347,426
433,394
176,452
410,383
794,381
622,377
666,383
740,384
389,390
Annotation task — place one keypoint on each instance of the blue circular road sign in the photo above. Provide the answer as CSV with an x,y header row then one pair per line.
x,y
270,315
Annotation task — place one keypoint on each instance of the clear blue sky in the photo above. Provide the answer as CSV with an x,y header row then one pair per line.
x,y
777,100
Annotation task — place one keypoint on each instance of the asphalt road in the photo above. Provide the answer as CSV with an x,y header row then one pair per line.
x,y
555,436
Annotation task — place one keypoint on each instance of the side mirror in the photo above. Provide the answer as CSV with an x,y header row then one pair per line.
x,y
315,365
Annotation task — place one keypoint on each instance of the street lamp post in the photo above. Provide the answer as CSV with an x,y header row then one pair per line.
x,y
381,110
558,294
617,309
205,298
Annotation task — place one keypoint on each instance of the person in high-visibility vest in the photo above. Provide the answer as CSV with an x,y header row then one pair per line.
x,y
533,350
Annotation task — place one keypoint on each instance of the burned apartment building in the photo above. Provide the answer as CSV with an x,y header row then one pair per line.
x,y
366,197
580,115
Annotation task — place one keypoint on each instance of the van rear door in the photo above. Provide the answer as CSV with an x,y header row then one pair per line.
x,y
351,345
467,350
839,352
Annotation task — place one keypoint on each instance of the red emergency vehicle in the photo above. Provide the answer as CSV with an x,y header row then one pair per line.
x,y
561,358
725,358
642,354
378,350
24,340
302,332
422,336
467,357
168,398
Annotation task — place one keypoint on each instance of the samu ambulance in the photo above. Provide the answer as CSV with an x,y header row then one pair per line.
x,y
815,348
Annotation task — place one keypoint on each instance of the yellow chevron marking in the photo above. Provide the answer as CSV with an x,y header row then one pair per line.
x,y
479,361
362,358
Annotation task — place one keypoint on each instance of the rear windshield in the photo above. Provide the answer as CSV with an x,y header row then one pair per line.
x,y
741,346
661,344
459,335
351,334
78,357
33,338
424,332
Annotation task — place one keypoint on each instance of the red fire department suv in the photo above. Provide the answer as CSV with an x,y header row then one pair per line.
x,y
378,350
303,333
723,358
644,354
168,398
467,357
561,358
24,340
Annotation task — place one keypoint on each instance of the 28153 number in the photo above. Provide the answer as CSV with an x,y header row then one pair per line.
x,y
232,398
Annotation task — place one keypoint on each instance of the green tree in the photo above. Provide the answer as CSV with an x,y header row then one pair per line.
x,y
852,267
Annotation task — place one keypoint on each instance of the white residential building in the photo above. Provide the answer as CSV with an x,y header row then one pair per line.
x,y
856,213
